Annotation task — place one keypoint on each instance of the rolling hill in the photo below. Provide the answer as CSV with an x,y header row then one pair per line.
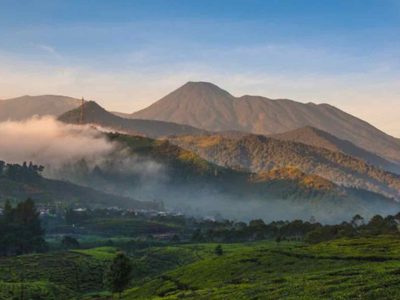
x,y
263,154
206,106
318,138
25,107
95,114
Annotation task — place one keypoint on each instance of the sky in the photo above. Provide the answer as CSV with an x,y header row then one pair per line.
x,y
128,54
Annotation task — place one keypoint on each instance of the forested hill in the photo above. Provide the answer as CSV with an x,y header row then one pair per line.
x,y
322,139
185,181
263,154
19,182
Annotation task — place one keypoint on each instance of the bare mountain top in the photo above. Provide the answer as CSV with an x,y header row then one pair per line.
x,y
25,107
318,138
206,106
95,114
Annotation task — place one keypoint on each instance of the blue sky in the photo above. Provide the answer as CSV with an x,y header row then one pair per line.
x,y
127,54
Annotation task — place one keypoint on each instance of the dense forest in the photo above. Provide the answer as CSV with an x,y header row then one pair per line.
x,y
263,154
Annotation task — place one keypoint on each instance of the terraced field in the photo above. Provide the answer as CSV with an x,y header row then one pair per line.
x,y
362,268
342,269
61,275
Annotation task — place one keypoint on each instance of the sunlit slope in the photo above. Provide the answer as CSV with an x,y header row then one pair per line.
x,y
336,270
263,154
206,106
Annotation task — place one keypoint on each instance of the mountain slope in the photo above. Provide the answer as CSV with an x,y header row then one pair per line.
x,y
15,186
95,114
318,138
25,107
185,182
263,154
206,106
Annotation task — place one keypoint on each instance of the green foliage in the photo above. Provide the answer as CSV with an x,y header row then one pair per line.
x,y
118,275
69,242
61,274
34,290
218,250
336,270
251,152
100,253
20,230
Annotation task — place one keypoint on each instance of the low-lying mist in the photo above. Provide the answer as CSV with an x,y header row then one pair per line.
x,y
84,155
75,153
50,143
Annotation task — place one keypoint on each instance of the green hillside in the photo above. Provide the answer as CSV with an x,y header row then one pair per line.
x,y
358,268
263,154
336,270
17,183
185,179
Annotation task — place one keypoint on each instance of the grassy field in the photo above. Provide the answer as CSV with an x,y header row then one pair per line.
x,y
60,275
362,268
342,269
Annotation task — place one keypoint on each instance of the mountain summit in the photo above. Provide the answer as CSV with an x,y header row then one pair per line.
x,y
93,113
206,106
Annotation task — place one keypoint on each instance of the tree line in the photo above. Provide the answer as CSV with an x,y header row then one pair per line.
x,y
308,231
24,172
20,229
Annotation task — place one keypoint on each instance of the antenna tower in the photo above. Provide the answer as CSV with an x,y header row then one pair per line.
x,y
82,111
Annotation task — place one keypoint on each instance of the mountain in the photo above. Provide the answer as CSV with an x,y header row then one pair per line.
x,y
95,114
185,182
263,154
206,106
25,107
318,138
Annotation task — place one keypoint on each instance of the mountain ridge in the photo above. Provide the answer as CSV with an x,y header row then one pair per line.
x,y
318,138
258,153
25,107
93,113
206,106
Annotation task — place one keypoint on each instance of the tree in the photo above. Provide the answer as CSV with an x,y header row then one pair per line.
x,y
68,242
357,221
20,230
218,250
119,273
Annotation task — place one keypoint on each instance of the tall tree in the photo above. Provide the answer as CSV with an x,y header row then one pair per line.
x,y
21,230
119,273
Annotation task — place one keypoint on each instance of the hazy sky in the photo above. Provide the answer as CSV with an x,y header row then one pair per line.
x,y
127,54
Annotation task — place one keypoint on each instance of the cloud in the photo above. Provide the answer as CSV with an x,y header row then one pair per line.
x,y
48,142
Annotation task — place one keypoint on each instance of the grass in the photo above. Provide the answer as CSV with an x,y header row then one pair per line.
x,y
367,268
34,290
99,253
361,268
58,273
